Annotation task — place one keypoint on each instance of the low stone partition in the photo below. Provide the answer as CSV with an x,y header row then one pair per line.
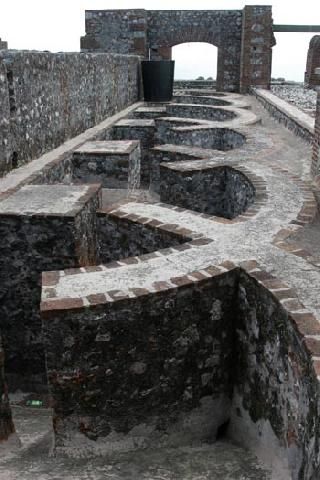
x,y
174,153
204,112
148,370
45,228
228,347
114,164
201,100
122,235
137,129
300,123
201,84
222,190
150,112
47,98
315,165
200,136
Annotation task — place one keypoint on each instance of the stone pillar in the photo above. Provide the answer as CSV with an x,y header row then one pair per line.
x,y
256,47
116,31
311,79
315,165
3,45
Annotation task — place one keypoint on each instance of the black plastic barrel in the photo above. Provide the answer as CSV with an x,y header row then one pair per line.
x,y
157,78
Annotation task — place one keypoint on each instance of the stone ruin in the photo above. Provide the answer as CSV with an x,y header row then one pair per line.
x,y
3,44
158,273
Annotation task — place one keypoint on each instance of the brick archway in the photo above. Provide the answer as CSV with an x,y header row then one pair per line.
x,y
244,38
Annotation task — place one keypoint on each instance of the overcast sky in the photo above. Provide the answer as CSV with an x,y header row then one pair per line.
x,y
57,25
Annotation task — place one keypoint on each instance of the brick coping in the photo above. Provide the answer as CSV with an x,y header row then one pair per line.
x,y
29,172
302,119
304,322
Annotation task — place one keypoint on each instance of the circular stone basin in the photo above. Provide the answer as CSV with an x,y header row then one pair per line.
x,y
202,100
202,112
222,191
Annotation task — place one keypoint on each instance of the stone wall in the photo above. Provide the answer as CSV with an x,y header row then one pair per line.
x,y
313,61
201,112
171,350
221,191
120,238
47,98
315,165
215,348
244,39
45,227
300,123
276,394
256,49
3,45
223,139
196,84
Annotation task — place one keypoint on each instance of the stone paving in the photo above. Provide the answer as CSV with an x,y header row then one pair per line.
x,y
199,462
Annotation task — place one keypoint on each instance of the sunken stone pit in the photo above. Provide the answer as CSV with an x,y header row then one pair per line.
x,y
222,191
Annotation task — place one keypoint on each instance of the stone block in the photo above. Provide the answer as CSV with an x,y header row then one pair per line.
x,y
138,129
114,164
45,227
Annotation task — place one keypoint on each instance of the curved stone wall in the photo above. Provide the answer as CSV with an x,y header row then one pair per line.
x,y
200,112
221,191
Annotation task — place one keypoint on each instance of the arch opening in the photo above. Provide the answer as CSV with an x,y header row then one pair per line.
x,y
195,60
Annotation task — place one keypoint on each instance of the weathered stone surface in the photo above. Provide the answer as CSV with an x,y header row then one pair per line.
x,y
204,340
169,132
52,97
114,164
200,112
122,237
221,191
45,227
315,166
311,79
275,388
142,130
172,352
3,45
243,38
257,40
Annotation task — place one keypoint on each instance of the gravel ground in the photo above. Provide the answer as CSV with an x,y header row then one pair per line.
x,y
303,98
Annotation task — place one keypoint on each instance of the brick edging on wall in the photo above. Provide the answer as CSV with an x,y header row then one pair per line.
x,y
298,128
304,322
